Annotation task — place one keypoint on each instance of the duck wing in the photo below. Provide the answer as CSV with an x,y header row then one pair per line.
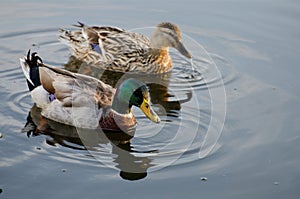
x,y
80,100
75,89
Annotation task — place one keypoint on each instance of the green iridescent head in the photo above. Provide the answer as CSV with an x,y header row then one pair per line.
x,y
132,92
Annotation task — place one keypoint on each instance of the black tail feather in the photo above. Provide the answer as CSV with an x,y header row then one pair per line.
x,y
33,62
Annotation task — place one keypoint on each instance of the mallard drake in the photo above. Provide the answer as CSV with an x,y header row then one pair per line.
x,y
112,48
83,101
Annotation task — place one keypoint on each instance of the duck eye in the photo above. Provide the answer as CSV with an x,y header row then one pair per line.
x,y
147,106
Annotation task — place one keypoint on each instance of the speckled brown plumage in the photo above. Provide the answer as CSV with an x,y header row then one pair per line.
x,y
125,51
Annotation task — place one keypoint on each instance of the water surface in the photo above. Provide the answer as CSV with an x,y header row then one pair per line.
x,y
254,45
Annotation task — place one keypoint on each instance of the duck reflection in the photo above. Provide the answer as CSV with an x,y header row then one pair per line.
x,y
157,83
131,166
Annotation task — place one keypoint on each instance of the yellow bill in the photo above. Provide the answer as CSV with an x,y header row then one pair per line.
x,y
147,110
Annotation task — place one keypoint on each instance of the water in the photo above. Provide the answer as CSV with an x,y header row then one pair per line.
x,y
235,123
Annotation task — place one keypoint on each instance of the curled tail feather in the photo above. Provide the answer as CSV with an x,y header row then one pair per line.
x,y
30,66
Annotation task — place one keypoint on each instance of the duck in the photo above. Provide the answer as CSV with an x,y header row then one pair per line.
x,y
83,101
116,49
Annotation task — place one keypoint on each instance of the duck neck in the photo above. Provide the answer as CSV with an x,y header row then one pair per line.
x,y
121,107
158,46
159,52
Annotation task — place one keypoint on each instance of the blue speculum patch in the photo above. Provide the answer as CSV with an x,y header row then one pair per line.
x,y
51,97
96,48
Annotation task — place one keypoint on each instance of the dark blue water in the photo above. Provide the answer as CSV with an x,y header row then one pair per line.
x,y
230,132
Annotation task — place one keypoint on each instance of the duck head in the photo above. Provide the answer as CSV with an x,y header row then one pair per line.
x,y
167,35
132,92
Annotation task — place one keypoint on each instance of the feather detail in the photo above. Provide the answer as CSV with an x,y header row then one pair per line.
x,y
83,117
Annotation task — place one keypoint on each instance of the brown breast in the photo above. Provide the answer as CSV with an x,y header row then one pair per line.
x,y
117,122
